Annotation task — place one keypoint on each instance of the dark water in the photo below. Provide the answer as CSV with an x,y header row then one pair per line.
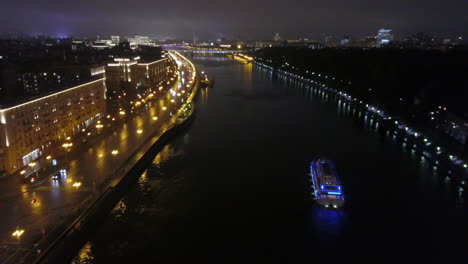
x,y
235,187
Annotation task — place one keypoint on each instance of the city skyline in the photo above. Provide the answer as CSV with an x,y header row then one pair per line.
x,y
245,20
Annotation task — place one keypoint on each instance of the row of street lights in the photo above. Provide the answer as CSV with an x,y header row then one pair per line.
x,y
68,144
464,164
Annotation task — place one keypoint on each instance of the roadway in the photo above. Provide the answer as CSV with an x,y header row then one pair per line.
x,y
85,176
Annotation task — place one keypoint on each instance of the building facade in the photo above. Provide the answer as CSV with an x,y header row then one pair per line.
x,y
26,81
115,40
140,40
32,129
384,36
127,77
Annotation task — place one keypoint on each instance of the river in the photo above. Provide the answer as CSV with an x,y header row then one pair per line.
x,y
235,187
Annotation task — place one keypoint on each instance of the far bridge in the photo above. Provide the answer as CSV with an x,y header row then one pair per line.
x,y
205,51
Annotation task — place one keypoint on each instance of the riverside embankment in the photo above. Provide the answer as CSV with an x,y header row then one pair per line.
x,y
448,160
179,119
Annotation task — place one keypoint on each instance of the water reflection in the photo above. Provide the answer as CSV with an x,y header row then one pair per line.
x,y
85,256
165,154
204,96
329,224
248,74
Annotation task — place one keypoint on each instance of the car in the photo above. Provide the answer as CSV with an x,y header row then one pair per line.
x,y
58,175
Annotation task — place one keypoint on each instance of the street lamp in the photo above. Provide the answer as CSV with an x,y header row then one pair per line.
x,y
67,145
18,232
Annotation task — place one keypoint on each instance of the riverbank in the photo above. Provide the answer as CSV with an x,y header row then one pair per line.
x,y
69,242
137,154
451,162
45,208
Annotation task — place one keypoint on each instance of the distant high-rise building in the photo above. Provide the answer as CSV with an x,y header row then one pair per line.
x,y
140,40
277,37
126,76
102,44
345,41
384,36
195,38
115,39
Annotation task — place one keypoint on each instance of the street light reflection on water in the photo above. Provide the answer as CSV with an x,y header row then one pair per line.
x,y
143,180
330,222
85,255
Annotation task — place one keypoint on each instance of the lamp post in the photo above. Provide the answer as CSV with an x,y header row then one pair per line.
x,y
18,233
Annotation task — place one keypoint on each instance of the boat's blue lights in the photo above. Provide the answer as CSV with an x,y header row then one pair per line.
x,y
322,187
335,193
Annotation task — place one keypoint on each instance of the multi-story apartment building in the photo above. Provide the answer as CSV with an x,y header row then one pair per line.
x,y
32,129
128,77
140,40
31,79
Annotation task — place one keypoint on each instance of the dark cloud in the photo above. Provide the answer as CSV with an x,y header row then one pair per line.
x,y
241,18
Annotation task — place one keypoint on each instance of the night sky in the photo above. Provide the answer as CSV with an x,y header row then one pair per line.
x,y
244,19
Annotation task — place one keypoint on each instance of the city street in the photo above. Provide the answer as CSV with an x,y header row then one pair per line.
x,y
37,208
